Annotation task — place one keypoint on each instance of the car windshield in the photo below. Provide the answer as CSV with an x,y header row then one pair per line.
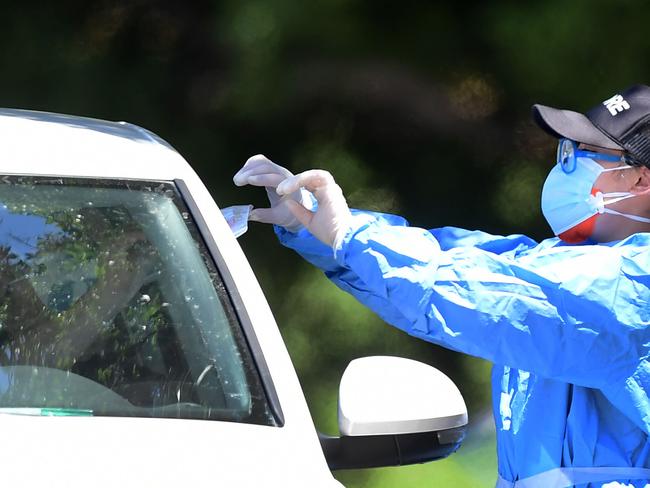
x,y
110,304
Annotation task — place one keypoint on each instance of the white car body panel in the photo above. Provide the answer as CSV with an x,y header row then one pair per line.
x,y
105,451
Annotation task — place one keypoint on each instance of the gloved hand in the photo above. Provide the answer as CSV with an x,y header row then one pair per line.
x,y
260,171
332,218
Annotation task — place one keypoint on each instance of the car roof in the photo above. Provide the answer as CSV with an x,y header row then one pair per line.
x,y
44,143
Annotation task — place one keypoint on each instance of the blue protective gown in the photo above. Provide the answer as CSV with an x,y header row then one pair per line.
x,y
566,327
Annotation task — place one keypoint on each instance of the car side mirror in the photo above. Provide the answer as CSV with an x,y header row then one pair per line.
x,y
395,411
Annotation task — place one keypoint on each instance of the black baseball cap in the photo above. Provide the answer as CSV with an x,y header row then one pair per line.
x,y
620,122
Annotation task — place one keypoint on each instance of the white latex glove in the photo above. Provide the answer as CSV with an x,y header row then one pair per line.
x,y
332,218
261,171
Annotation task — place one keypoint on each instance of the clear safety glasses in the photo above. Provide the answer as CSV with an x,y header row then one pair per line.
x,y
568,152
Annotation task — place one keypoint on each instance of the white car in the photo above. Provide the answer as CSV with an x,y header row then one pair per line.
x,y
137,348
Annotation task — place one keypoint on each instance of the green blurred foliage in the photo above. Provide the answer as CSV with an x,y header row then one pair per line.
x,y
420,108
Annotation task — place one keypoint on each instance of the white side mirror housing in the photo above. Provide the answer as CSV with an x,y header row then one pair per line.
x,y
383,395
395,412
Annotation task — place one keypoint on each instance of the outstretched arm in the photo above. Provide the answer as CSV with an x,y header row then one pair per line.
x,y
566,312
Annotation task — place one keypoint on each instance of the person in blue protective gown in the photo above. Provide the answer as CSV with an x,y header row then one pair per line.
x,y
565,321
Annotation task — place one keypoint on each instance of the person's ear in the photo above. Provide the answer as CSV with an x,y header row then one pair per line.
x,y
642,184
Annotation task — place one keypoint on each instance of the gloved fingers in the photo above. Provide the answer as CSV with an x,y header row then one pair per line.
x,y
248,176
329,222
303,215
312,180
257,165
279,215
255,161
264,215
267,179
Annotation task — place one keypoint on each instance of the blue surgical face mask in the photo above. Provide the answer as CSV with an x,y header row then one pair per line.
x,y
571,203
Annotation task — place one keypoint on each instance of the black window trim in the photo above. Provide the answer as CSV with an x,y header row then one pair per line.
x,y
236,300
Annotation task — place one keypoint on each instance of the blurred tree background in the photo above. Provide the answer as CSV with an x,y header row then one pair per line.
x,y
417,107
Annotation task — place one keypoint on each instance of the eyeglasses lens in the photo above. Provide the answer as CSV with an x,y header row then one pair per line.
x,y
566,156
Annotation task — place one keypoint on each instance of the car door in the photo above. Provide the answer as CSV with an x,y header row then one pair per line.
x,y
136,348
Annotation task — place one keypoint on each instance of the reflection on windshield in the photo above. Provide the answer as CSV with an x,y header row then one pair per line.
x,y
109,304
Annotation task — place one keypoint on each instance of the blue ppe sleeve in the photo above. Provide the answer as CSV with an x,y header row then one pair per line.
x,y
578,314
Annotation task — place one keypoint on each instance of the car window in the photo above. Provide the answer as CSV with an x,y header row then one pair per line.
x,y
111,305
